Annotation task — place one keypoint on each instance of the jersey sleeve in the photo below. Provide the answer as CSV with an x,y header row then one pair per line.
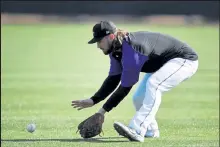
x,y
115,66
132,63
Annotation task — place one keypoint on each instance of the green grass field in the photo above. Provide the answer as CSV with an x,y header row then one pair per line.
x,y
45,67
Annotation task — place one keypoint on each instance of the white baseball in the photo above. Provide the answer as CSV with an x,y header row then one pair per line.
x,y
31,128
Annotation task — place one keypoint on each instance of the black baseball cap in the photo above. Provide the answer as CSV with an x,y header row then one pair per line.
x,y
101,30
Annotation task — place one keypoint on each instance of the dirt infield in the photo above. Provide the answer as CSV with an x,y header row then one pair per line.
x,y
160,19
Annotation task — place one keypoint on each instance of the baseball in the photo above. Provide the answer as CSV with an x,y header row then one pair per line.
x,y
31,128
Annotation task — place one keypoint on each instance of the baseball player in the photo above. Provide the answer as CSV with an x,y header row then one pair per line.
x,y
166,61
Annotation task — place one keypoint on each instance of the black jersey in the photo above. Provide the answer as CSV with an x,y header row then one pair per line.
x,y
159,48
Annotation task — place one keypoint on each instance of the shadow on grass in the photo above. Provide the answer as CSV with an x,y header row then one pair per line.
x,y
95,140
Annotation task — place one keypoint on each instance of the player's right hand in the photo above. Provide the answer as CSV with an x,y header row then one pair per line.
x,y
81,104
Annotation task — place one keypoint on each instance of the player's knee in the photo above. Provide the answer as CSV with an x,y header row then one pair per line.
x,y
138,94
153,85
136,101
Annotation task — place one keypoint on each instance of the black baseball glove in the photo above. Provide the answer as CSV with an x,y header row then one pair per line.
x,y
92,126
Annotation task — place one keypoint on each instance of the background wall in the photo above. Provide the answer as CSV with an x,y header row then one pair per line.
x,y
209,9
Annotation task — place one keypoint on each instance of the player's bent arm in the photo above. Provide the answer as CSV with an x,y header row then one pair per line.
x,y
115,99
108,86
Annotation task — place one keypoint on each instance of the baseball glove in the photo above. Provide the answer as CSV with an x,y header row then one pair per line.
x,y
92,126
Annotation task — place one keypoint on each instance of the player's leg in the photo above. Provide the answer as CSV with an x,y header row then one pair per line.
x,y
139,94
153,130
138,97
170,75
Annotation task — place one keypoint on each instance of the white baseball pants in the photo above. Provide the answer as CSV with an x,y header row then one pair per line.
x,y
170,75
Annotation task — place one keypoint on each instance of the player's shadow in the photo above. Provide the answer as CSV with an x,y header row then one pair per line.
x,y
95,140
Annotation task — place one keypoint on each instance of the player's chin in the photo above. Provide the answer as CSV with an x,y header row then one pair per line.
x,y
105,52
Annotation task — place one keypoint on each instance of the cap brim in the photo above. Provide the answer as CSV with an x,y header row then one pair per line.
x,y
94,40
